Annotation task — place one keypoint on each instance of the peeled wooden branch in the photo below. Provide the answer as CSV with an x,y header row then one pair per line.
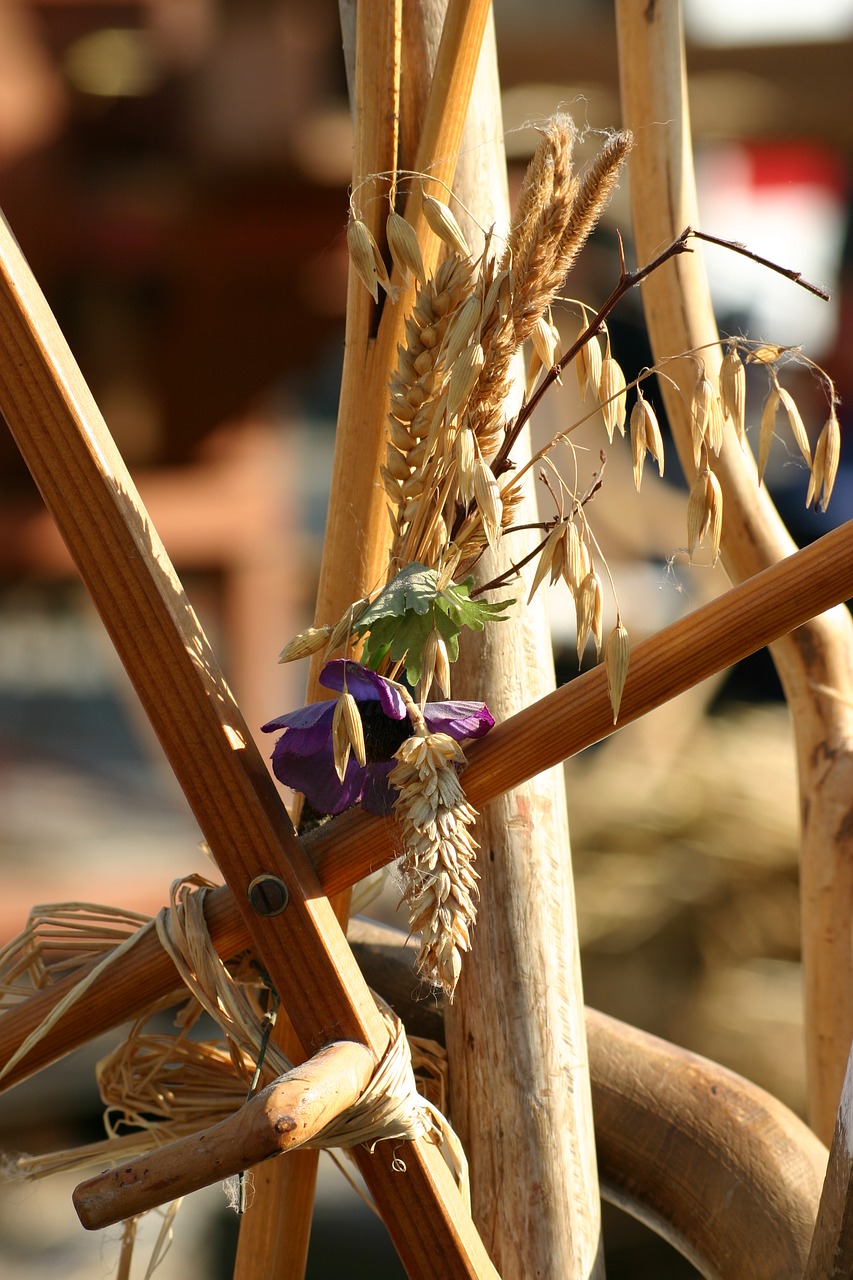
x,y
561,724
288,1112
815,664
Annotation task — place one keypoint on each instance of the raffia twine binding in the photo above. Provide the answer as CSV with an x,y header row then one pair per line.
x,y
190,1084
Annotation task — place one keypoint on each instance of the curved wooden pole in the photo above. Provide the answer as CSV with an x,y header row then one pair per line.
x,y
281,1117
815,664
718,1167
559,725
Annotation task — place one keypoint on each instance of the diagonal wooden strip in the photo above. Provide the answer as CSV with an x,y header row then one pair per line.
x,y
357,528
84,482
566,721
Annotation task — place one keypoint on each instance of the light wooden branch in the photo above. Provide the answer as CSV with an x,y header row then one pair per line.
x,y
559,725
287,1112
815,663
516,1024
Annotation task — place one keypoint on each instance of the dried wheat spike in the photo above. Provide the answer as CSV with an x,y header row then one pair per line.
x,y
551,225
418,392
437,865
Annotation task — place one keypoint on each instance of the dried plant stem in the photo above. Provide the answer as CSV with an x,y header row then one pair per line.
x,y
815,663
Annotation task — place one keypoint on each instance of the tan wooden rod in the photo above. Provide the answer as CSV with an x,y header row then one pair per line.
x,y
561,724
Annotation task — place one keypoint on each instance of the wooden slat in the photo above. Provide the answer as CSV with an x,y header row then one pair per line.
x,y
566,721
84,482
287,1112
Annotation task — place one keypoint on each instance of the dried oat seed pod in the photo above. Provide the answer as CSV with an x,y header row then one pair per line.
x,y
617,655
613,396
404,247
441,220
733,391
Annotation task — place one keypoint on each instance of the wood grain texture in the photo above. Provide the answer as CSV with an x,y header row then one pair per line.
x,y
519,1075
815,664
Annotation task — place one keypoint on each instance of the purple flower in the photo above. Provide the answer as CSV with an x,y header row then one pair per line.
x,y
303,758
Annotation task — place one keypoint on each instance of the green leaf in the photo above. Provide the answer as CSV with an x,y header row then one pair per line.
x,y
413,589
455,601
398,623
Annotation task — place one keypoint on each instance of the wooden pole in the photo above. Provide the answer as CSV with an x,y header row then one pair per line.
x,y
558,725
831,1254
519,1076
274,1237
287,1112
815,664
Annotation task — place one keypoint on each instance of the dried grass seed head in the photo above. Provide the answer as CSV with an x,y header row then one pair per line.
x,y
825,463
404,247
440,219
366,258
613,396
733,390
705,513
617,656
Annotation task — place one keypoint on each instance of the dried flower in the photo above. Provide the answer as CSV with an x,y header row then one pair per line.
x,y
437,865
304,755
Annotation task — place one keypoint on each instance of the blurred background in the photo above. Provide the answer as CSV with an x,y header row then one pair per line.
x,y
176,173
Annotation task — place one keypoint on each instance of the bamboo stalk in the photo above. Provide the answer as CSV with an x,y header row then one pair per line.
x,y
815,664
559,725
89,491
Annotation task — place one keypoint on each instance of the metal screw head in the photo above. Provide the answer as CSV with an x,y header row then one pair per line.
x,y
268,894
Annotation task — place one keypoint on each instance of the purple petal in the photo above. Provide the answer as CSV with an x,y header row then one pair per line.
x,y
314,775
303,718
459,719
364,685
